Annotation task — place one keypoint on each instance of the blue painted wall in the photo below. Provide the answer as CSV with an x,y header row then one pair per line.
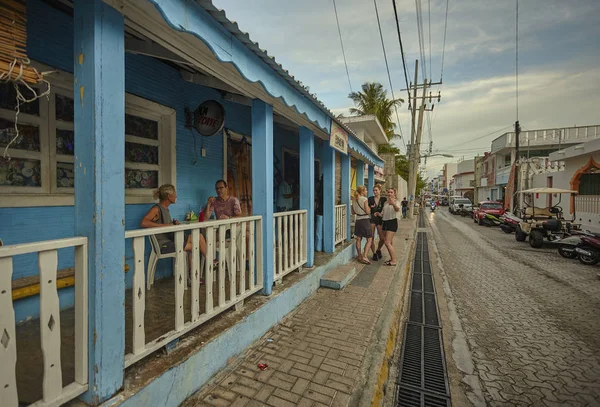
x,y
50,41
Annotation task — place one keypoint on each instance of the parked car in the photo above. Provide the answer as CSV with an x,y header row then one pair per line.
x,y
455,203
487,208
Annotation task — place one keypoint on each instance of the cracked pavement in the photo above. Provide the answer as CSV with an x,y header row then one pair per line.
x,y
531,317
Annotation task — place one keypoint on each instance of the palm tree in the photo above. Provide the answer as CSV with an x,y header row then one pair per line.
x,y
373,100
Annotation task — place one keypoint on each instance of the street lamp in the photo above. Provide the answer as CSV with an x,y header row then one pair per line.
x,y
425,155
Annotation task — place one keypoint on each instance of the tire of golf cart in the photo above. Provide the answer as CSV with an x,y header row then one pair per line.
x,y
567,254
587,260
520,236
536,239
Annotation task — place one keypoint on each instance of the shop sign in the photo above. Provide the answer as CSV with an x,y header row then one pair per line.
x,y
338,138
209,118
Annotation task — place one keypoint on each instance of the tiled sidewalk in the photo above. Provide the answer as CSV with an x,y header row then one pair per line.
x,y
316,355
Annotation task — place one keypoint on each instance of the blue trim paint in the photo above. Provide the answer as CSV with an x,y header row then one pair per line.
x,y
188,17
358,146
360,172
181,381
328,163
307,189
99,70
371,178
262,183
346,191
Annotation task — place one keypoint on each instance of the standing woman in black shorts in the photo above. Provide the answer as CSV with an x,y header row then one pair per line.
x,y
376,204
390,223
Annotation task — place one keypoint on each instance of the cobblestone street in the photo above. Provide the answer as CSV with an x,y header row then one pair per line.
x,y
531,317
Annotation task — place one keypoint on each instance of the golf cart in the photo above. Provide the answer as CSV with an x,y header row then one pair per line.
x,y
547,223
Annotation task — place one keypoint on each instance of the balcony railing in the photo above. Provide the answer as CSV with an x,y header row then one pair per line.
x,y
588,204
53,390
290,242
232,270
341,225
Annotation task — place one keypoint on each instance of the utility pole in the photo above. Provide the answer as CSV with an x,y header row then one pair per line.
x,y
413,175
515,200
411,155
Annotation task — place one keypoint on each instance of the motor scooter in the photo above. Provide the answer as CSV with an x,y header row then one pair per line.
x,y
567,246
588,250
509,222
432,206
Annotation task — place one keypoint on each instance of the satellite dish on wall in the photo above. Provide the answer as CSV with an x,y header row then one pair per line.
x,y
209,118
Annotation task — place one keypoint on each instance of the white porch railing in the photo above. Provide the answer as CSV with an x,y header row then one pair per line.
x,y
54,394
589,204
244,246
341,225
290,242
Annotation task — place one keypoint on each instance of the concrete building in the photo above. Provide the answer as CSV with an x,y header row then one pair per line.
x,y
464,179
448,172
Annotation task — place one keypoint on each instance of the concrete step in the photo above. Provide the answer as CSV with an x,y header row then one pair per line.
x,y
339,277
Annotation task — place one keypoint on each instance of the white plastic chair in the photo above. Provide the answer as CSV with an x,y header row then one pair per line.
x,y
155,256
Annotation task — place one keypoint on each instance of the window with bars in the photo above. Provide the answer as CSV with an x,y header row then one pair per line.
x,y
40,171
589,184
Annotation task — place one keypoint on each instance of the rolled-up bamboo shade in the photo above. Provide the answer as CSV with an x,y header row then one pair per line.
x,y
13,42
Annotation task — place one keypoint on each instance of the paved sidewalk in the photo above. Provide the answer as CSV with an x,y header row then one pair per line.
x,y
325,351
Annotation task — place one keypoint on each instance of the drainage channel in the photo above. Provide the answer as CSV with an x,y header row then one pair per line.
x,y
422,380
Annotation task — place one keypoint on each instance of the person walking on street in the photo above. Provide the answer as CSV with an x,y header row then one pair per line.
x,y
362,227
376,204
404,207
390,224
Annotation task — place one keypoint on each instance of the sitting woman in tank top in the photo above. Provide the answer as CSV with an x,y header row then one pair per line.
x,y
159,216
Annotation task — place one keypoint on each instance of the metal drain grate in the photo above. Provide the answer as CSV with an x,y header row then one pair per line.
x,y
422,380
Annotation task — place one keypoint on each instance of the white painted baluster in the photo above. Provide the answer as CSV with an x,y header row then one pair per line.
x,y
297,239
222,257
242,262
50,324
195,274
139,296
280,238
208,277
286,250
293,240
302,239
8,340
259,253
81,314
252,248
232,262
180,281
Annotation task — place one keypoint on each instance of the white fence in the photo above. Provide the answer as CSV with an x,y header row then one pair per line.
x,y
54,393
238,253
588,204
341,224
290,242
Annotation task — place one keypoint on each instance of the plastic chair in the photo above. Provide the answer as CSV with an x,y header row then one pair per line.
x,y
155,256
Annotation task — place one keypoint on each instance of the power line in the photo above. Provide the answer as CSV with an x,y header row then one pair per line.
x,y
388,72
342,44
444,46
402,51
485,135
517,60
429,23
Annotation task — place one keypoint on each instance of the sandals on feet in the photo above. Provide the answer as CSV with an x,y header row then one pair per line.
x,y
389,263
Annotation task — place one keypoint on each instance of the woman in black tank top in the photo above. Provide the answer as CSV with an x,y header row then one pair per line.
x,y
376,203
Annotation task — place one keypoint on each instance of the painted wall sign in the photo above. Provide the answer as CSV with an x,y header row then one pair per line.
x,y
209,118
338,138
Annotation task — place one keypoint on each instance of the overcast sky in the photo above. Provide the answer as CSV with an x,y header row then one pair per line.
x,y
559,60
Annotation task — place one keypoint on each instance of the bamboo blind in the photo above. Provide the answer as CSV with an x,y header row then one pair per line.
x,y
14,63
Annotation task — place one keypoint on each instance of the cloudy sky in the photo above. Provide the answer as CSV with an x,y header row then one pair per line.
x,y
559,60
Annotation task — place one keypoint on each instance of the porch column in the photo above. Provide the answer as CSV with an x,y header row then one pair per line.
x,y
328,199
99,79
371,180
360,172
307,189
262,184
346,191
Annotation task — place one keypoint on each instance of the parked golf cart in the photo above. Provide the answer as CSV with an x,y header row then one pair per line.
x,y
547,223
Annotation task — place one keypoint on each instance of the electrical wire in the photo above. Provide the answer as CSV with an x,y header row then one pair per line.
x,y
444,46
517,60
402,53
342,44
484,136
387,67
429,23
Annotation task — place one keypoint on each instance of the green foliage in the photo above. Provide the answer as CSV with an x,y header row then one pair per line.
x,y
373,100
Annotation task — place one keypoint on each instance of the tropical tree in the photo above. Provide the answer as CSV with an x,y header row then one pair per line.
x,y
372,99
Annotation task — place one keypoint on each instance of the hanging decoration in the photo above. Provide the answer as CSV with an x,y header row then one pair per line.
x,y
15,66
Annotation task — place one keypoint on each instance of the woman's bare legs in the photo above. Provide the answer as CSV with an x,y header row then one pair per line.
x,y
368,246
358,242
381,235
389,244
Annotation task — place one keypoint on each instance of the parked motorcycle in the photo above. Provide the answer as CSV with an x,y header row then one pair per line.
x,y
588,250
568,245
509,222
462,211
